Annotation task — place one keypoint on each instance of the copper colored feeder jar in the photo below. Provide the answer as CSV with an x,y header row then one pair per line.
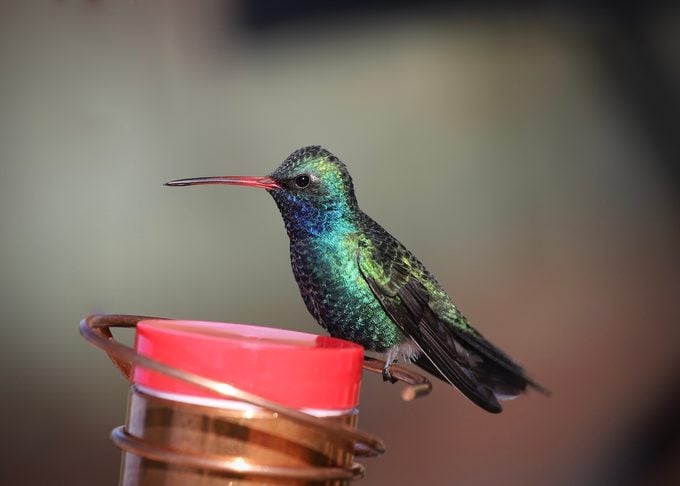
x,y
179,434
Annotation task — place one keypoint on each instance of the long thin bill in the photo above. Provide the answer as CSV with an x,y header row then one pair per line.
x,y
250,181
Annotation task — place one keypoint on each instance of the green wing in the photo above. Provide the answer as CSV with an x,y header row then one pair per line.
x,y
451,348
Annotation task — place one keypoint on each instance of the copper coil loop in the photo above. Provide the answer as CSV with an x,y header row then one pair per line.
x,y
96,329
226,464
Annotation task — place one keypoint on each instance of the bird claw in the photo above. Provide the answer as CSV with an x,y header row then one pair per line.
x,y
387,376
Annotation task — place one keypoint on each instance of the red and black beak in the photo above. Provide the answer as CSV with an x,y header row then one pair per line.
x,y
250,181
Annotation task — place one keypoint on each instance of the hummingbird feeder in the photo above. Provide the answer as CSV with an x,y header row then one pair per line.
x,y
216,404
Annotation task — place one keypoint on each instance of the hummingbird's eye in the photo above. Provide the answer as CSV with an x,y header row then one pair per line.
x,y
302,181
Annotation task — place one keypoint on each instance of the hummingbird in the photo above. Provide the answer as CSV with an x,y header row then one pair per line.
x,y
361,284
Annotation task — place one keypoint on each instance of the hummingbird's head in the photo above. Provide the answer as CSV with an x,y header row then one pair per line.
x,y
312,176
312,189
315,192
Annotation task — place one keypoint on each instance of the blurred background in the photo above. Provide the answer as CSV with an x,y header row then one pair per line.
x,y
528,154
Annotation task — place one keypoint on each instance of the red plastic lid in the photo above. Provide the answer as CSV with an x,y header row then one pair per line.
x,y
296,369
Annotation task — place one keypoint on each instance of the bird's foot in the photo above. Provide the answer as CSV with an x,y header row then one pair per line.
x,y
387,376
